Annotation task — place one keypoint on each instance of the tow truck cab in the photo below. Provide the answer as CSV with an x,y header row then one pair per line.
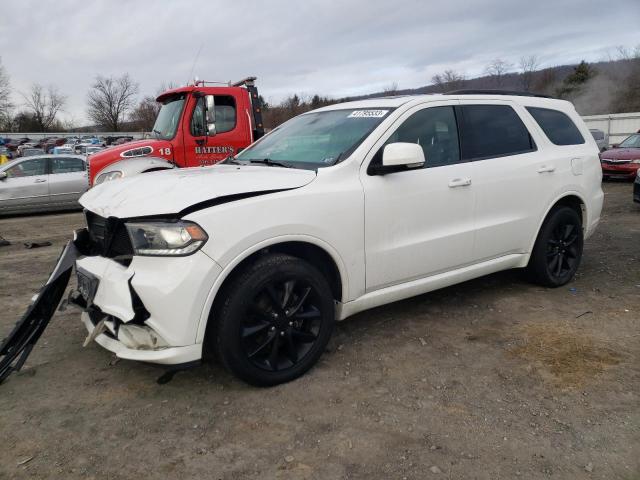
x,y
197,125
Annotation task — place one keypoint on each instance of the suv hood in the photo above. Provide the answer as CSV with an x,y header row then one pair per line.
x,y
172,191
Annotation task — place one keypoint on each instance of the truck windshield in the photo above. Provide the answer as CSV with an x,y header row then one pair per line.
x,y
314,140
169,118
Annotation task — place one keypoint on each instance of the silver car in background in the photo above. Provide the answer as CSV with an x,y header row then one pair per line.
x,y
601,138
42,183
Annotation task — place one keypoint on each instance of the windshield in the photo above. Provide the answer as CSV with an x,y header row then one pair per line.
x,y
315,140
632,142
169,118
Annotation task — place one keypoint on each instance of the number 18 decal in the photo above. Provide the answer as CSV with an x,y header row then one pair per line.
x,y
165,151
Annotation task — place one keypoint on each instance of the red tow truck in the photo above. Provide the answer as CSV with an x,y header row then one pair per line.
x,y
197,125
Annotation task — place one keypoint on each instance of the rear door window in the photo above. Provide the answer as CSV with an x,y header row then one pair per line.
x,y
66,165
490,131
557,126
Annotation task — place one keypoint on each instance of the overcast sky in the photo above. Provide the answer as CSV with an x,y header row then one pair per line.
x,y
333,48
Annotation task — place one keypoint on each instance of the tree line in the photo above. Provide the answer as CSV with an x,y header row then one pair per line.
x,y
113,102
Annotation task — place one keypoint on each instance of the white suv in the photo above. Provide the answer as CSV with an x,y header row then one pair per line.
x,y
336,211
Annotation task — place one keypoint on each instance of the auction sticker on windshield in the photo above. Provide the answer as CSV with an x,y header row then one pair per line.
x,y
368,114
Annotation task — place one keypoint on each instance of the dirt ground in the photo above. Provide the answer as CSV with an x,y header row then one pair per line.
x,y
490,379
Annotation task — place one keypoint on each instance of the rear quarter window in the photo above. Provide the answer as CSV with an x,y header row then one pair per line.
x,y
557,126
490,131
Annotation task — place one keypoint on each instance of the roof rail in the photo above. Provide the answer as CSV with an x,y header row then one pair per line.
x,y
496,92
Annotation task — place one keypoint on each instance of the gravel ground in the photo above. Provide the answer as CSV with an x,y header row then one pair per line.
x,y
490,379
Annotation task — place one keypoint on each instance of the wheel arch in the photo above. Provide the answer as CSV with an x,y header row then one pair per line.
x,y
570,199
318,253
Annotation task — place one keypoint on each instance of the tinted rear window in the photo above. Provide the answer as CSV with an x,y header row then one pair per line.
x,y
493,131
557,126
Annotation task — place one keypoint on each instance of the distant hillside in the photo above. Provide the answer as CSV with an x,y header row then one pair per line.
x,y
596,88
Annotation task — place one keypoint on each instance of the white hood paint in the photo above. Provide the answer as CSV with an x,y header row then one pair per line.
x,y
171,191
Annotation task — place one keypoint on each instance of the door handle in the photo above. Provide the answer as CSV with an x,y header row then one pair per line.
x,y
546,169
40,180
459,182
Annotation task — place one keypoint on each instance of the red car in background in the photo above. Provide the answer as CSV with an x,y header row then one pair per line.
x,y
623,160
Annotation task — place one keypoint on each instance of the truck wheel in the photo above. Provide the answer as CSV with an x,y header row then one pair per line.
x,y
558,249
275,320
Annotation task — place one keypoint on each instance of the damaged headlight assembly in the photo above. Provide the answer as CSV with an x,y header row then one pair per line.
x,y
166,238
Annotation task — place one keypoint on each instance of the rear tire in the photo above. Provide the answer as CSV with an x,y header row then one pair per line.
x,y
557,252
275,320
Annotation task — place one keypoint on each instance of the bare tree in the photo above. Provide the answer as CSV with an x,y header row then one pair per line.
x,y
145,113
528,65
5,96
44,104
497,70
391,89
448,80
110,99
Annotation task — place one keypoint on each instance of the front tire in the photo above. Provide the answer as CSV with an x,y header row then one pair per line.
x,y
558,249
275,320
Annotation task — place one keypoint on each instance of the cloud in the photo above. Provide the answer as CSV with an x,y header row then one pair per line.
x,y
334,48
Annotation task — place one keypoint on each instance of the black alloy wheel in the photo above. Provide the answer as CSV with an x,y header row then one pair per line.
x,y
557,252
274,321
281,324
562,250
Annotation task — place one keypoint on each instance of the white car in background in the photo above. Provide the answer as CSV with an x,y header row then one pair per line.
x,y
336,211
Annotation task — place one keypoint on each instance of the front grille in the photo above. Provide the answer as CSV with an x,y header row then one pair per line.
x,y
615,162
109,238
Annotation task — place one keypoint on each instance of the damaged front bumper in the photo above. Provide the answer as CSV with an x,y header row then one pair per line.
x,y
148,310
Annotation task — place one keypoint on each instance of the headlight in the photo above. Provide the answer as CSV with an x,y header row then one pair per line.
x,y
173,239
105,177
637,160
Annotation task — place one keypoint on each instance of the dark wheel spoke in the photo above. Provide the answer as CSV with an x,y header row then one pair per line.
x,y
553,263
303,337
296,307
262,347
558,269
570,240
292,351
249,331
567,230
309,314
288,290
273,356
275,298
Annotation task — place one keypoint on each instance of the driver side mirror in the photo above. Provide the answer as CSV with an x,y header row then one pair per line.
x,y
615,145
402,154
210,115
3,175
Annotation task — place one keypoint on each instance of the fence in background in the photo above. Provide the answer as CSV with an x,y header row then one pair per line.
x,y
617,125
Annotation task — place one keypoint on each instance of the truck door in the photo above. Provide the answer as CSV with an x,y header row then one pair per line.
x,y
232,131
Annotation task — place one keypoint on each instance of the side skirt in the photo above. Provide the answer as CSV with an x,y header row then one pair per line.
x,y
428,284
